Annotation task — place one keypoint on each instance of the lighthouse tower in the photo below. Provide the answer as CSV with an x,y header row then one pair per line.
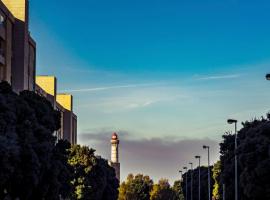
x,y
115,155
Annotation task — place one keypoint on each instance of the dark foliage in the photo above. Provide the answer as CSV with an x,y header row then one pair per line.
x,y
195,185
32,165
253,161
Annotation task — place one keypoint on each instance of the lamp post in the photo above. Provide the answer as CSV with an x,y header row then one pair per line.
x,y
191,182
209,180
181,174
181,177
233,121
199,158
267,76
186,197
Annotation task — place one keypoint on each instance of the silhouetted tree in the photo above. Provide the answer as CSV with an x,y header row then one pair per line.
x,y
35,166
195,185
61,173
28,152
253,161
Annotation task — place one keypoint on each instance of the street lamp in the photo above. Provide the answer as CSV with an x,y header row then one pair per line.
x,y
181,174
185,168
209,180
267,76
233,121
191,184
199,158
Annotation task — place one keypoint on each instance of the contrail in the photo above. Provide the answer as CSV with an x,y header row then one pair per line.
x,y
220,77
109,88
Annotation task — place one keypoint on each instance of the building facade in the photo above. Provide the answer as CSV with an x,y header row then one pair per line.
x,y
18,64
115,155
17,48
6,40
69,127
46,86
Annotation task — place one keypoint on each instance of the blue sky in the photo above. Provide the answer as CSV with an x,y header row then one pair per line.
x,y
168,72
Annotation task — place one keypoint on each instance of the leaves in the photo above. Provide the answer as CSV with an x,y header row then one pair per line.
x,y
162,191
253,161
93,178
35,166
141,187
29,166
195,185
216,176
136,188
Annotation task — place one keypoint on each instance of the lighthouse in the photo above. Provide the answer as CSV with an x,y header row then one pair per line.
x,y
115,155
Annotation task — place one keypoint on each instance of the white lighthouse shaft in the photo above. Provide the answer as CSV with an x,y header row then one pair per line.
x,y
115,155
114,151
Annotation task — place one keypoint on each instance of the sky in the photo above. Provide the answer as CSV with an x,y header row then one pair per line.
x,y
165,75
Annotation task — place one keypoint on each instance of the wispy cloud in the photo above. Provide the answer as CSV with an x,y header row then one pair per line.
x,y
111,87
218,77
136,98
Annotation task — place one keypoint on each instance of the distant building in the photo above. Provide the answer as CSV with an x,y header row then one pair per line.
x,y
47,86
115,155
17,48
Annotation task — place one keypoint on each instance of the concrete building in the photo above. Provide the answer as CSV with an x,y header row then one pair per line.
x,y
47,86
17,48
69,118
18,64
6,29
115,155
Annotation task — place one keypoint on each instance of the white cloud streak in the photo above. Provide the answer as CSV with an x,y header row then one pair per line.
x,y
218,77
97,89
135,99
110,87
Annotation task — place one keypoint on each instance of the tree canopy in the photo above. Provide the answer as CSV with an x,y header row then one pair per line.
x,y
136,188
177,187
27,146
93,178
253,161
36,166
195,185
162,191
217,191
142,187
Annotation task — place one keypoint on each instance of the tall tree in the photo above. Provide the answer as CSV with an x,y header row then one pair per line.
x,y
93,177
177,187
163,191
216,176
253,161
195,186
136,188
35,166
27,146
